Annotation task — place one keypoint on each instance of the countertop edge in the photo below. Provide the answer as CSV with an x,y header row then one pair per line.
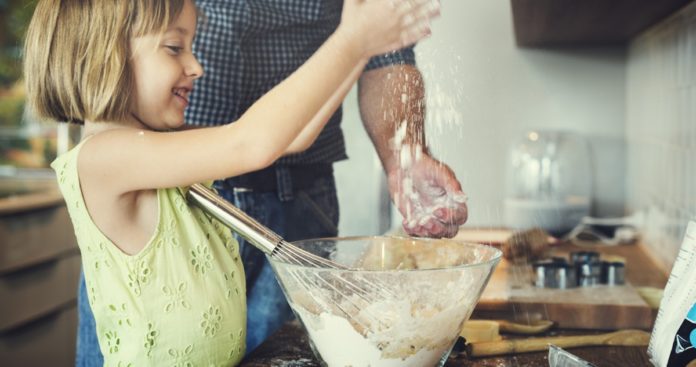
x,y
33,201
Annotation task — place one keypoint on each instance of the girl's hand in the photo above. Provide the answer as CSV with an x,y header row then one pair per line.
x,y
380,26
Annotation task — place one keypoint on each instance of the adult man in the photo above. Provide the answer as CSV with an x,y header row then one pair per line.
x,y
248,46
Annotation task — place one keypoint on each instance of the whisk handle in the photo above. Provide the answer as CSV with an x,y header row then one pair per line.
x,y
256,233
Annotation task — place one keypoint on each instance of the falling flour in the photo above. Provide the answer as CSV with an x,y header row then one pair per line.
x,y
420,203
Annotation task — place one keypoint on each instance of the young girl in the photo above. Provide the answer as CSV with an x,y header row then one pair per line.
x,y
164,280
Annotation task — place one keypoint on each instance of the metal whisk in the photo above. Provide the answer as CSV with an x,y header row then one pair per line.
x,y
256,233
355,294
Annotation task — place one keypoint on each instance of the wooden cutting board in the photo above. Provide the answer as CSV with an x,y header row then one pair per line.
x,y
510,291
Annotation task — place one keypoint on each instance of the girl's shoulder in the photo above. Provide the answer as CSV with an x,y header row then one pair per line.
x,y
67,160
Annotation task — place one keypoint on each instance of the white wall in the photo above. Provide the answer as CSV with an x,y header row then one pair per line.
x,y
661,131
484,92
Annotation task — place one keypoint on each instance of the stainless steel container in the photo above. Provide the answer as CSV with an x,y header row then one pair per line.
x,y
589,273
613,272
554,274
579,257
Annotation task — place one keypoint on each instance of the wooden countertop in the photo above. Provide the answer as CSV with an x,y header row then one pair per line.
x,y
289,346
27,202
23,190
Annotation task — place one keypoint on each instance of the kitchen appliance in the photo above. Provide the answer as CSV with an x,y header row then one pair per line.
x,y
549,181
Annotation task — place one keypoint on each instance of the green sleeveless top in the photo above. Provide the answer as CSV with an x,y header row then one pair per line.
x,y
178,302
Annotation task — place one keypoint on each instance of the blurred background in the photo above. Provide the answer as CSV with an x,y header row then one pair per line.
x,y
546,110
619,74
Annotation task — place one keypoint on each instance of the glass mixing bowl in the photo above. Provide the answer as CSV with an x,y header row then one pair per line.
x,y
400,302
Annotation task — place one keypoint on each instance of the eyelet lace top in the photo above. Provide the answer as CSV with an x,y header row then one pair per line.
x,y
178,302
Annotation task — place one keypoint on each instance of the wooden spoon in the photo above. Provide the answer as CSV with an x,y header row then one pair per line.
x,y
476,331
617,338
535,327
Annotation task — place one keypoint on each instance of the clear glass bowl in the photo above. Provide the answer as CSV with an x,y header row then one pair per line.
x,y
402,302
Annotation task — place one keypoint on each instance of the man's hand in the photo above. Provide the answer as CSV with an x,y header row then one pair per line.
x,y
426,191
429,197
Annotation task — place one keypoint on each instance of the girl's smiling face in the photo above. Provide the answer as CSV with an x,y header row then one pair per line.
x,y
164,69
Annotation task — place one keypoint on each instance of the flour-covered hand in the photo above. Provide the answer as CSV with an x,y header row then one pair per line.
x,y
429,197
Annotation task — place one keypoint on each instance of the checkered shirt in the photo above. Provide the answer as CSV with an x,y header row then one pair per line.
x,y
247,47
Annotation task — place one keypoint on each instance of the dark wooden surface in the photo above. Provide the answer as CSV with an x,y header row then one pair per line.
x,y
548,23
289,347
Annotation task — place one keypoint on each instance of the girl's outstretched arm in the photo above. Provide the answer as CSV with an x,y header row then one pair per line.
x,y
125,160
426,9
310,132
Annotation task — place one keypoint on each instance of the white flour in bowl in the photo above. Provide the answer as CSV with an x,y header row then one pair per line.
x,y
408,333
341,345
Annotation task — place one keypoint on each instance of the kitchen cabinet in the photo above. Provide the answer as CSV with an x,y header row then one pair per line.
x,y
552,23
39,272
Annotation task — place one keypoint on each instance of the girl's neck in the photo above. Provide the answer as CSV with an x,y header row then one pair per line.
x,y
93,127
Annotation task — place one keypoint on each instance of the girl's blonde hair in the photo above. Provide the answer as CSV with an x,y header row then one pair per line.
x,y
77,55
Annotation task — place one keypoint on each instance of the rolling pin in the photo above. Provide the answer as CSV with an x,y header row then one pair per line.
x,y
617,338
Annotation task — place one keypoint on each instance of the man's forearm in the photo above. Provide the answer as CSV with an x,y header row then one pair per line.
x,y
425,190
392,107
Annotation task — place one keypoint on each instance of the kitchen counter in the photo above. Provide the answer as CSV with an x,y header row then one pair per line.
x,y
34,223
39,272
289,347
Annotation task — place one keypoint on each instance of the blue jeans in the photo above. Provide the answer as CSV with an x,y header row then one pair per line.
x,y
311,213
88,353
